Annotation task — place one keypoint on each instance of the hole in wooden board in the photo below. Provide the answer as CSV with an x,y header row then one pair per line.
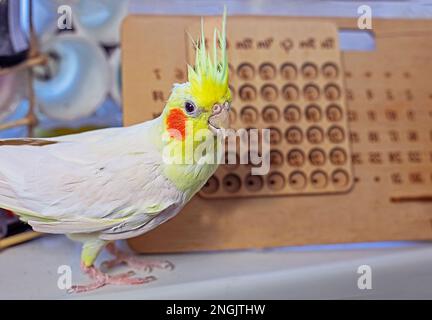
x,y
288,71
309,71
267,71
315,135
332,92
276,158
311,92
275,135
294,135
317,157
297,180
269,92
336,134
330,70
271,114
313,113
319,179
276,181
290,92
254,183
296,158
334,113
338,157
231,183
211,186
249,115
246,71
340,178
247,93
292,113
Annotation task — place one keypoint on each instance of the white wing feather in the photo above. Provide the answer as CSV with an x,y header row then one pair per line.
x,y
107,181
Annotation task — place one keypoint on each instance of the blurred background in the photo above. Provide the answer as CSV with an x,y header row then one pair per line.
x,y
73,49
91,101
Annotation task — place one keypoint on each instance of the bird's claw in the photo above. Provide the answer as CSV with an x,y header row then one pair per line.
x,y
101,279
133,262
105,279
169,266
164,265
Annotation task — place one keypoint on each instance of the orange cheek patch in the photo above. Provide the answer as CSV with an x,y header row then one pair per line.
x,y
176,120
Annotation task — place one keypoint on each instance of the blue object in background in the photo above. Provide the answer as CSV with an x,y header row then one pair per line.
x,y
44,17
19,113
356,40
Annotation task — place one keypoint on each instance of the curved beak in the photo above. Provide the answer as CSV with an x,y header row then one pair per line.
x,y
219,118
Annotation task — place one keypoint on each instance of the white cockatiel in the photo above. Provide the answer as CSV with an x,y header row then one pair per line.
x,y
115,183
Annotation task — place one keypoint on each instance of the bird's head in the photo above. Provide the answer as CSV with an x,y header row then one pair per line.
x,y
204,101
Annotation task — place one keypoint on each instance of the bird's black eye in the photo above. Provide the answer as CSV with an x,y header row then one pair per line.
x,y
190,107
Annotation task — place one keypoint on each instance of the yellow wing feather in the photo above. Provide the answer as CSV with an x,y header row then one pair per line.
x,y
209,77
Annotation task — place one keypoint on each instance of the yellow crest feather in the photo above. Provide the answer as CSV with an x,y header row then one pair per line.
x,y
209,77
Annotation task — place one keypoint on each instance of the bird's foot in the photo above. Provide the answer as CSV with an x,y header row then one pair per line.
x,y
133,261
101,279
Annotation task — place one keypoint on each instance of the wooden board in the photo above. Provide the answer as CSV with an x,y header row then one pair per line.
x,y
388,106
291,83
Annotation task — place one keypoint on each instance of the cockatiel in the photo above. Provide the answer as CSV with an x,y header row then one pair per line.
x,y
116,183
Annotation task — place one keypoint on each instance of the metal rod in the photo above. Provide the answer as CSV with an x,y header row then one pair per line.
x,y
32,54
30,62
17,123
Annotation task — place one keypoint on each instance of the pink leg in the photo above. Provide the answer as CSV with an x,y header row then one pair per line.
x,y
101,279
133,261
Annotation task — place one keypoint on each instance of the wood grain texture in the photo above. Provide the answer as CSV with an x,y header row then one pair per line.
x,y
389,101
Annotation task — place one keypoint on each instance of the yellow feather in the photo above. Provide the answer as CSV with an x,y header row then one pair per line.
x,y
209,77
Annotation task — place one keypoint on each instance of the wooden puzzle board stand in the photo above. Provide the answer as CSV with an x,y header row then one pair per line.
x,y
351,131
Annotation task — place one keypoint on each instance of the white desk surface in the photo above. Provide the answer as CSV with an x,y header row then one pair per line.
x,y
399,270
